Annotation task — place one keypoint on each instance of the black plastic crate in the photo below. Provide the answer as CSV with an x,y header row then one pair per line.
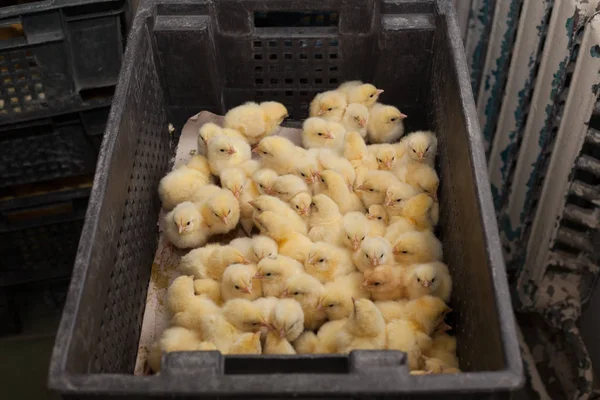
x,y
188,55
39,235
51,148
59,56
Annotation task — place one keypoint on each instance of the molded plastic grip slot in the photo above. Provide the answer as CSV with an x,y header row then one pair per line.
x,y
283,19
214,363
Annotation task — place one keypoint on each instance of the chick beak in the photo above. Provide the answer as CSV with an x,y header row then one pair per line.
x,y
265,324
257,276
253,203
426,284
355,244
388,203
360,187
378,92
328,135
388,165
319,307
231,151
224,219
321,112
443,327
365,284
284,294
282,333
362,122
402,116
255,150
420,155
434,196
237,194
375,261
311,260
245,261
180,228
247,290
395,252
270,191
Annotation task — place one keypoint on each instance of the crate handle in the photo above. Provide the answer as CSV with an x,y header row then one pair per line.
x,y
214,363
295,19
22,216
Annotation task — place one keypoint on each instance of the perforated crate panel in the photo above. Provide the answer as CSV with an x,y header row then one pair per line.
x,y
21,86
136,230
45,149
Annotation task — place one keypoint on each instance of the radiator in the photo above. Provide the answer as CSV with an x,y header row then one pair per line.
x,y
535,74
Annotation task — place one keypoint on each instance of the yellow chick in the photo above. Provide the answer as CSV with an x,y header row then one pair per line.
x,y
216,329
306,290
175,338
385,155
206,192
279,154
406,336
422,177
326,261
274,272
208,288
428,312
255,121
385,282
374,187
290,243
301,204
209,131
334,185
307,169
210,261
364,329
244,190
274,344
356,118
247,343
307,343
183,183
226,152
385,124
432,279
185,227
392,309
361,93
373,251
355,228
319,133
421,146
435,366
377,219
325,220
395,195
329,105
265,203
275,114
286,187
327,159
327,336
256,248
238,283
357,152
244,315
398,226
179,293
267,307
221,212
418,210
443,348
264,179
337,298
417,247
288,319
193,311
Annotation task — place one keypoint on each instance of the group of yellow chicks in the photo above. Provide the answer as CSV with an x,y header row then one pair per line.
x,y
346,257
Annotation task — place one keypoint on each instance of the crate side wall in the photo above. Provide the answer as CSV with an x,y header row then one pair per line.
x,y
134,156
475,314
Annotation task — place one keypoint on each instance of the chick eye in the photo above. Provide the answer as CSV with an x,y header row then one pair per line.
x,y
414,151
348,237
323,180
237,287
189,222
432,280
381,256
261,185
363,238
366,255
419,279
330,109
256,323
331,305
379,160
393,119
222,150
297,206
398,200
258,209
371,96
371,190
377,283
268,274
393,158
379,218
320,134
302,173
296,293
404,251
216,214
228,212
322,260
